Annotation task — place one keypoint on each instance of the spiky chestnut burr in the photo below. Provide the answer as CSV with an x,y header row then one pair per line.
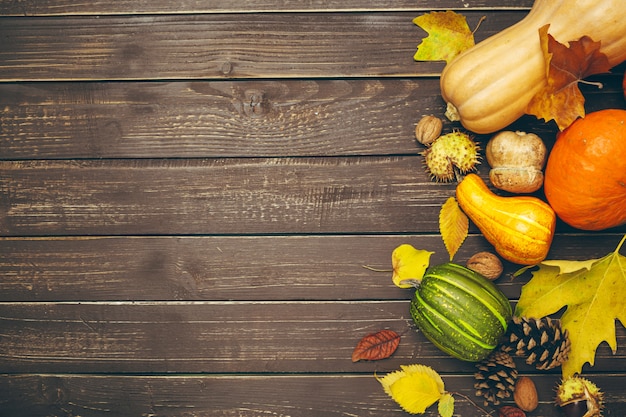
x,y
579,397
450,151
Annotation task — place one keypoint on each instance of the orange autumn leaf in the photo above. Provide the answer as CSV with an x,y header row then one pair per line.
x,y
448,36
376,346
566,65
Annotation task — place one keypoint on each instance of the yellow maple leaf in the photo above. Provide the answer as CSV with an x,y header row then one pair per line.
x,y
595,295
448,36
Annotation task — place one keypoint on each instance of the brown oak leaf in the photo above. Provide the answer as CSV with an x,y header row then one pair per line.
x,y
376,346
560,99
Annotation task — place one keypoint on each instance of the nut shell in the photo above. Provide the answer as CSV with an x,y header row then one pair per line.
x,y
454,150
428,129
576,394
487,264
525,394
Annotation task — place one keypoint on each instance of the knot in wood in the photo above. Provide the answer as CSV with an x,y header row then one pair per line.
x,y
53,391
226,68
255,103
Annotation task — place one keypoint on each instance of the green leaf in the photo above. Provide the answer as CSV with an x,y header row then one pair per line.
x,y
446,405
594,293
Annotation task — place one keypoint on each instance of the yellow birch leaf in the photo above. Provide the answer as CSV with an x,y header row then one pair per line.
x,y
453,226
409,265
448,36
414,387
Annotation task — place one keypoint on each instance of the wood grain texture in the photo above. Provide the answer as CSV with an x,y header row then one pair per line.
x,y
138,7
213,118
221,337
246,396
218,196
192,193
220,46
246,268
242,118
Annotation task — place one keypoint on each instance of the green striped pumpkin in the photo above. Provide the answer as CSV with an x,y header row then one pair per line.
x,y
460,311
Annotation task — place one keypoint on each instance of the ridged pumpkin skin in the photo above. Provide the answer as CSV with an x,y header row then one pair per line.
x,y
460,311
491,84
520,228
585,176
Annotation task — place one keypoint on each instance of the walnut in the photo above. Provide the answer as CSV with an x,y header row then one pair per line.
x,y
428,129
487,264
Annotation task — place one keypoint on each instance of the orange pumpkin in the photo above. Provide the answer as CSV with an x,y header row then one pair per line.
x,y
585,176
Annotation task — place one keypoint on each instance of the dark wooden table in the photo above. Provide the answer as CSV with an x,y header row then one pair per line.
x,y
190,192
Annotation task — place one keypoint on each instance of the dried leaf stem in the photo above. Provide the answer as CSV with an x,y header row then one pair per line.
x,y
468,399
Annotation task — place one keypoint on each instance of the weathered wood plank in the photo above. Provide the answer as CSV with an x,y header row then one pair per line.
x,y
246,396
251,196
219,118
66,7
304,195
232,118
312,176
204,268
249,268
218,337
221,46
220,196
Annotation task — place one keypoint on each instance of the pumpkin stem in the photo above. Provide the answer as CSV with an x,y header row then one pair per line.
x,y
452,113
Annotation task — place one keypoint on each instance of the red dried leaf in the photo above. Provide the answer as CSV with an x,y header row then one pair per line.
x,y
510,411
376,346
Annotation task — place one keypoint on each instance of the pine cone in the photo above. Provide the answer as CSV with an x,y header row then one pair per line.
x,y
541,341
495,378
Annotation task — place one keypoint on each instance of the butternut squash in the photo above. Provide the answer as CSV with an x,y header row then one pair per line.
x,y
490,85
520,228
